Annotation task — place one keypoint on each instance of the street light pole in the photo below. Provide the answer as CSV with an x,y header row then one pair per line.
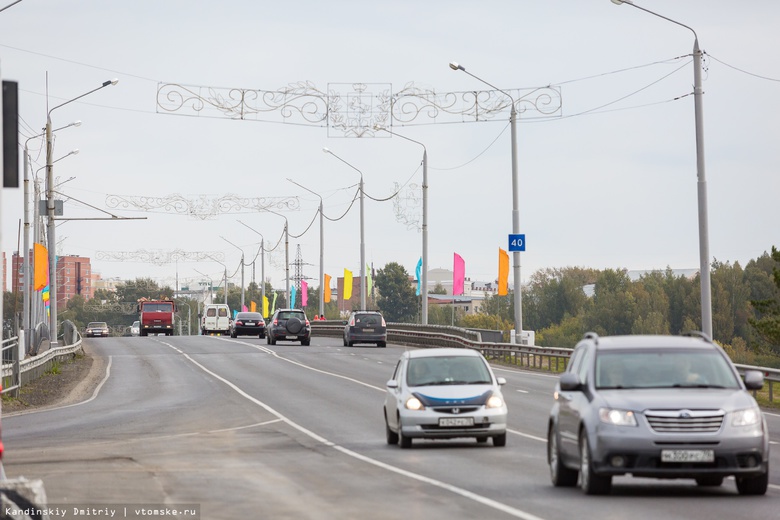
x,y
322,249
262,269
704,240
50,212
515,203
362,233
26,311
286,256
242,269
424,274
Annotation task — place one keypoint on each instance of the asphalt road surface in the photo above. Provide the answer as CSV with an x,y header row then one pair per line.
x,y
244,430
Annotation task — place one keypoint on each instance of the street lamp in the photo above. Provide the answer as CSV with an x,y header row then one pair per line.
x,y
515,202
704,241
50,211
424,274
322,249
262,269
286,256
242,269
362,232
226,280
211,297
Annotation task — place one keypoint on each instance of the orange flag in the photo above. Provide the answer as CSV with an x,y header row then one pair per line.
x,y
503,272
326,288
41,273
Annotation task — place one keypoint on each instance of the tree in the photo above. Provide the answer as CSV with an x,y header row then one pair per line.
x,y
767,321
397,300
439,289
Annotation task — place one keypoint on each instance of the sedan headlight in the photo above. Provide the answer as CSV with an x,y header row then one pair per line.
x,y
494,401
617,417
414,404
747,417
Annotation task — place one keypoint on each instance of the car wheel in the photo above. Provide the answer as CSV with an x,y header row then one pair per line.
x,y
404,441
560,475
591,483
262,335
753,485
233,335
350,343
382,344
345,342
481,440
270,340
392,437
305,342
709,481
499,441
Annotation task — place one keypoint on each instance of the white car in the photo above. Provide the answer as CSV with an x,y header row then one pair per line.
x,y
444,393
135,328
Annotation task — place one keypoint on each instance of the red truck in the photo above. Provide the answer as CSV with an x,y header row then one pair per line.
x,y
156,316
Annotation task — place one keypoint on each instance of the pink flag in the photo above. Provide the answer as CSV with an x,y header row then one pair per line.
x,y
458,275
304,293
244,309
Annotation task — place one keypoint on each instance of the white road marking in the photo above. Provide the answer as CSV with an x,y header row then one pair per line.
x,y
517,513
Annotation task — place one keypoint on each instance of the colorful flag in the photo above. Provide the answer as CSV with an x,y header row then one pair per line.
x,y
45,294
304,293
503,272
252,307
418,274
370,281
347,285
293,294
41,272
326,288
273,304
458,275
244,308
265,306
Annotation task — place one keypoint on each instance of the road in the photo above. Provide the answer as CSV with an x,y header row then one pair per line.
x,y
242,429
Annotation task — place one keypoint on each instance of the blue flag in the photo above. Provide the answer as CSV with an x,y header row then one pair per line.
x,y
418,273
292,297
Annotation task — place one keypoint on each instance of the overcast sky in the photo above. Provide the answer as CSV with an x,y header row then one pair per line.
x,y
609,181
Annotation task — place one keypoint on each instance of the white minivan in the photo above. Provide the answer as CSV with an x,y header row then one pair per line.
x,y
216,319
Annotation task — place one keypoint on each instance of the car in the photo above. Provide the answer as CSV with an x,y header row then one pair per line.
x,y
656,406
248,324
135,328
216,319
96,329
444,393
365,327
289,325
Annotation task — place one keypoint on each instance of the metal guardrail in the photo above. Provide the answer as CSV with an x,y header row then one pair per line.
x,y
540,358
33,367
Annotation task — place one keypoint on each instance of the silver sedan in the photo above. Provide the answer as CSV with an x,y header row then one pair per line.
x,y
444,393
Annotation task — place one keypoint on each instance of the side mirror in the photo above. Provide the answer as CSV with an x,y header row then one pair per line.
x,y
501,381
754,379
392,384
570,381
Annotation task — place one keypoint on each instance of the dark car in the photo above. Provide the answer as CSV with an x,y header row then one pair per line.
x,y
96,329
248,324
666,407
365,327
289,325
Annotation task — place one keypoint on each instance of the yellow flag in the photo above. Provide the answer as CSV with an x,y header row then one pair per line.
x,y
503,272
41,272
347,284
265,305
326,288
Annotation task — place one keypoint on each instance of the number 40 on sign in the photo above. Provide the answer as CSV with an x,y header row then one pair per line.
x,y
516,243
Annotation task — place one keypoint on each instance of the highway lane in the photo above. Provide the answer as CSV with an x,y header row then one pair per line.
x,y
243,428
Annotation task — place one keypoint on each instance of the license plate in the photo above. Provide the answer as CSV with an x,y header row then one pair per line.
x,y
292,337
687,456
250,324
454,422
368,330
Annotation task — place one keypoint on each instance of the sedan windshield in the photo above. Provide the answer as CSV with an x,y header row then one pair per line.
x,y
447,370
663,369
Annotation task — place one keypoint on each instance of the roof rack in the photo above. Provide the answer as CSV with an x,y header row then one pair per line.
x,y
699,334
592,335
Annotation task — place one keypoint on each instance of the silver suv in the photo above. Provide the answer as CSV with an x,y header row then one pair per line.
x,y
659,407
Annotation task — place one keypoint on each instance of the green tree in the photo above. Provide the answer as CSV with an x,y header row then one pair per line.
x,y
438,289
397,300
614,305
767,320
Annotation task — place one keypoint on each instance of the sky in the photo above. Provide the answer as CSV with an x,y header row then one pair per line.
x,y
607,173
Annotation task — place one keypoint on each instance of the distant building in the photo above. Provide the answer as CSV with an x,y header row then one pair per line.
x,y
74,276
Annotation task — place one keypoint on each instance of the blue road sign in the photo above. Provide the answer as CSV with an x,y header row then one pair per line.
x,y
517,242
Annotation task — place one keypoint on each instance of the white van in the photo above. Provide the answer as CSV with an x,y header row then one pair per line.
x,y
216,319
